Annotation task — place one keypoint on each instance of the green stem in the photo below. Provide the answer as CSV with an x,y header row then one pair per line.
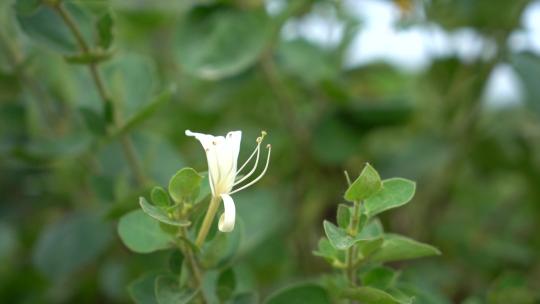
x,y
352,251
192,264
208,220
127,143
350,256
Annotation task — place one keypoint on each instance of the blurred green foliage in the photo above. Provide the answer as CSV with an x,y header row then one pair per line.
x,y
74,160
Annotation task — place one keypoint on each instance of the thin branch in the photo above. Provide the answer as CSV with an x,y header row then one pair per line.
x,y
127,144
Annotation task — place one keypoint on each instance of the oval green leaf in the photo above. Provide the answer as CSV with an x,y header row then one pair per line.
x,y
142,234
185,185
395,192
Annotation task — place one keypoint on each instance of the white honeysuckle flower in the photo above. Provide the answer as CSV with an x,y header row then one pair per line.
x,y
222,157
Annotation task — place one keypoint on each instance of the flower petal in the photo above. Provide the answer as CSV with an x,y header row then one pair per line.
x,y
210,145
226,221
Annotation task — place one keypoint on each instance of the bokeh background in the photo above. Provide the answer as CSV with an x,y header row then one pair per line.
x,y
443,92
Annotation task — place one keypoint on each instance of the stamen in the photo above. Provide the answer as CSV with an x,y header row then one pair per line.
x,y
269,147
259,141
249,158
258,149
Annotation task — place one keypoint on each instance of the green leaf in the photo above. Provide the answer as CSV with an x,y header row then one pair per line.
x,y
306,61
379,277
142,234
368,247
142,290
226,284
219,251
395,192
46,27
329,253
343,216
367,184
299,294
396,248
94,121
168,291
27,7
175,261
245,298
71,243
185,185
373,229
326,250
371,295
339,238
104,28
160,197
206,48
161,215
144,113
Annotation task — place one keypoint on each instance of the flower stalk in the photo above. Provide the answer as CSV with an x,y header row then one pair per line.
x,y
208,220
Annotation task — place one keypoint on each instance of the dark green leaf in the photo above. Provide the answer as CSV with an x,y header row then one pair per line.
x,y
176,259
395,192
94,121
219,251
396,248
245,298
207,49
366,185
69,244
45,26
27,7
104,28
168,291
299,294
185,185
142,234
142,290
371,295
226,284
161,214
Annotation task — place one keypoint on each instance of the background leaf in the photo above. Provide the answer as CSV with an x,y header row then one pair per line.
x,y
302,293
71,243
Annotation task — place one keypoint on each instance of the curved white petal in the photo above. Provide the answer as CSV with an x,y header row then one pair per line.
x,y
210,145
229,159
226,221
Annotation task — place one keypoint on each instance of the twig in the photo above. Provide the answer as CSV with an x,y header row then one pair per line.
x,y
127,144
